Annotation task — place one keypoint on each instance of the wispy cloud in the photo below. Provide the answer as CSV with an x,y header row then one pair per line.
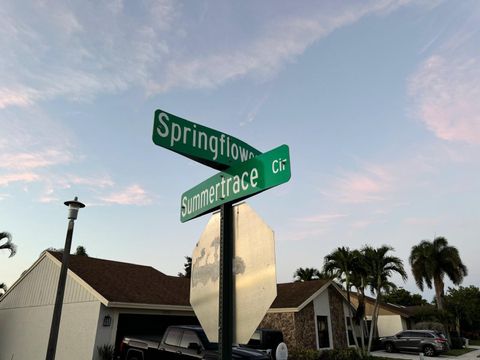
x,y
322,218
252,114
282,40
25,177
370,184
132,195
45,158
446,87
79,50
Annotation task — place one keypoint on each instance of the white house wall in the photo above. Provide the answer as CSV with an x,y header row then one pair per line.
x,y
26,315
389,325
106,334
39,288
25,332
321,306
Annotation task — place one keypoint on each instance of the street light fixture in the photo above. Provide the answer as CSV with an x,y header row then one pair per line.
x,y
73,207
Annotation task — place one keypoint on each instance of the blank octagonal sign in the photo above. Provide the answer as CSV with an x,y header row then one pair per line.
x,y
255,282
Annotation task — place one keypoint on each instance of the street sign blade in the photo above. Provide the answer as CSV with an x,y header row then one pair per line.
x,y
237,182
200,143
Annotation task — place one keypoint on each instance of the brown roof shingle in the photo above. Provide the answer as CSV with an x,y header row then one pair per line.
x,y
292,295
129,283
139,284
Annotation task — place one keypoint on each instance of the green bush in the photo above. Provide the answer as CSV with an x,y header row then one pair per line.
x,y
105,352
457,342
303,354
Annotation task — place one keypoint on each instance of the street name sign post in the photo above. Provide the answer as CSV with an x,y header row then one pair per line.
x,y
236,183
200,143
245,172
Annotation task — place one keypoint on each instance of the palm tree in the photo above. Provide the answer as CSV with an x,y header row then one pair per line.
x,y
340,264
307,274
8,245
381,267
431,261
359,279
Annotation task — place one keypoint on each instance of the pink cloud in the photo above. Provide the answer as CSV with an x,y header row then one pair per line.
x,y
20,177
9,97
446,94
34,160
133,195
371,184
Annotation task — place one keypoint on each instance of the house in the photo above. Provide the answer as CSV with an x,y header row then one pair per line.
x,y
311,314
391,318
106,300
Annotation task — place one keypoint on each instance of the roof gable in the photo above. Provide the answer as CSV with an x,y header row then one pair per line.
x,y
296,294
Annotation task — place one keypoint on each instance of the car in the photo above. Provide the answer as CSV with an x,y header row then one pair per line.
x,y
266,340
180,342
429,342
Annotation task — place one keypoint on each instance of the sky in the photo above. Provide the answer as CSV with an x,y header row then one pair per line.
x,y
377,101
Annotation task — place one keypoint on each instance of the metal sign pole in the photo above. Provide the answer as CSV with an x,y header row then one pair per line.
x,y
225,331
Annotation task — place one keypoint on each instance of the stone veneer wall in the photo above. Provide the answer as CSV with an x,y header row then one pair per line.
x,y
339,331
298,328
281,321
305,333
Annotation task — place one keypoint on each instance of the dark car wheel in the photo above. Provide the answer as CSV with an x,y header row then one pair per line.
x,y
389,347
428,350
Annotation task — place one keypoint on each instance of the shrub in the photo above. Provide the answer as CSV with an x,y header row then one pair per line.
x,y
303,354
340,354
105,352
457,342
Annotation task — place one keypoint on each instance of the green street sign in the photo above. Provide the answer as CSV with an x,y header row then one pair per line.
x,y
237,182
200,143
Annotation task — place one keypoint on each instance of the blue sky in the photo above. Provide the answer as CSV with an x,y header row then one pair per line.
x,y
377,100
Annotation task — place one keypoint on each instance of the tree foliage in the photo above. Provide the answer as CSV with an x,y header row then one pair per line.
x,y
464,304
187,268
431,261
8,245
307,274
403,297
81,251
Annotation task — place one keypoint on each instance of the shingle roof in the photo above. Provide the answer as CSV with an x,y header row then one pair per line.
x,y
400,310
139,284
129,283
292,295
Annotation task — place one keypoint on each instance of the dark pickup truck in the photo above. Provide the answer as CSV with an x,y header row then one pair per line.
x,y
178,343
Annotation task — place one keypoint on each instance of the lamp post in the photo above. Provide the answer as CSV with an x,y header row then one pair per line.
x,y
73,207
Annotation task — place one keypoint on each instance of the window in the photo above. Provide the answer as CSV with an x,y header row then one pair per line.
x,y
255,339
173,337
188,338
323,335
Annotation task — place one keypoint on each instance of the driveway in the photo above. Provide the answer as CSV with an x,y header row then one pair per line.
x,y
472,355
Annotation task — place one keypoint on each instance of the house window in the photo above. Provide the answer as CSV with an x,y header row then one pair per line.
x,y
351,341
322,329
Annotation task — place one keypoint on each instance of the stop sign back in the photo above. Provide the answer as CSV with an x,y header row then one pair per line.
x,y
255,283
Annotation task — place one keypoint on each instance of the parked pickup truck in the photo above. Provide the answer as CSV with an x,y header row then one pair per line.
x,y
178,343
